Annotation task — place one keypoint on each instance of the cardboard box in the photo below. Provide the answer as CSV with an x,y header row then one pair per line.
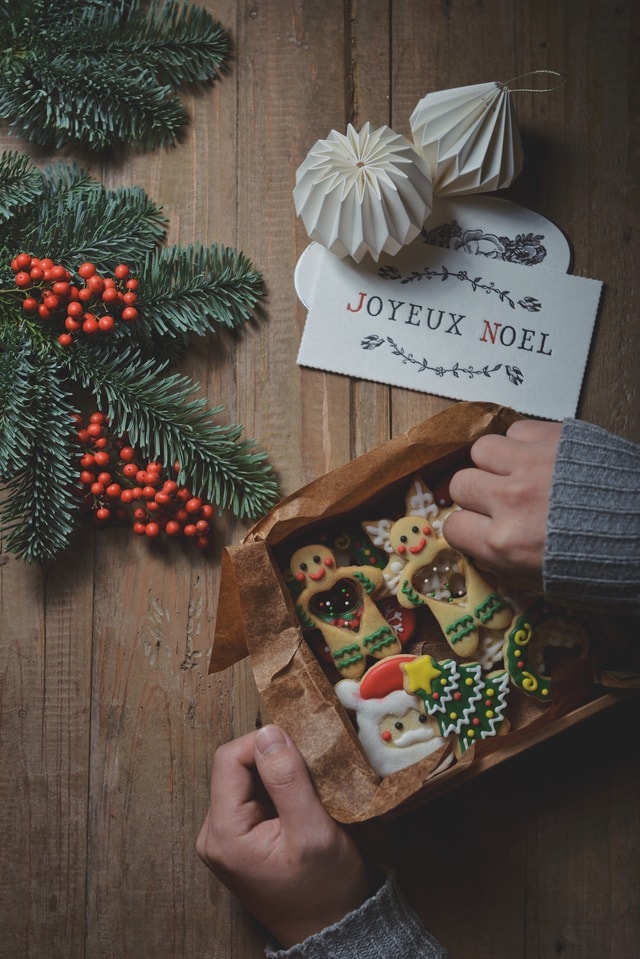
x,y
257,617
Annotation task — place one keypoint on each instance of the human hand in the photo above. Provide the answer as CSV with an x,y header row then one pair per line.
x,y
504,501
269,839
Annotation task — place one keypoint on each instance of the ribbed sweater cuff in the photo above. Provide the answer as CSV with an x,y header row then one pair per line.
x,y
592,548
382,927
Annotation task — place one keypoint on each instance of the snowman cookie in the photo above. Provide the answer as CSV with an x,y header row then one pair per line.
x,y
337,600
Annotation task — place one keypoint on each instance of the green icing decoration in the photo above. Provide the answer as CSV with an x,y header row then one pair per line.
x,y
364,581
516,659
461,628
414,598
381,638
489,607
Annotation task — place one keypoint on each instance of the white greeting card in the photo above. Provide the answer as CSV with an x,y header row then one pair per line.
x,y
458,325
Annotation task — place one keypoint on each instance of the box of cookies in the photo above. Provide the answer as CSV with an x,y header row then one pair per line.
x,y
397,666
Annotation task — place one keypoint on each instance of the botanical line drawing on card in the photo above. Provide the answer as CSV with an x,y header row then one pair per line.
x,y
373,341
529,303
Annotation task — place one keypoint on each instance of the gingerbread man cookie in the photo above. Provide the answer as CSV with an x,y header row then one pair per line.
x,y
337,600
443,580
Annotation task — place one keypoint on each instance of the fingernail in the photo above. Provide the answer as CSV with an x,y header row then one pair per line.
x,y
269,739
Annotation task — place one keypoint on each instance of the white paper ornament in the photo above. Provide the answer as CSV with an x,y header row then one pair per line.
x,y
367,192
469,138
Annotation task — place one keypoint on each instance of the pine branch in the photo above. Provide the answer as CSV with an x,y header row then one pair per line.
x,y
17,423
59,84
20,183
104,226
165,421
40,511
196,288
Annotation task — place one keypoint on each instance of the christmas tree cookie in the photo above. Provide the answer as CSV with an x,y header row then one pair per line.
x,y
465,704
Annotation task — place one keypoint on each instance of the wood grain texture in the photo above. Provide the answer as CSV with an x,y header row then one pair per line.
x,y
108,718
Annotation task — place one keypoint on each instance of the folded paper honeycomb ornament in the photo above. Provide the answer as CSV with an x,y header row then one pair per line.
x,y
363,192
469,138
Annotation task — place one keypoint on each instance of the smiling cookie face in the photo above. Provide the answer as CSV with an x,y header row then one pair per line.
x,y
310,564
410,537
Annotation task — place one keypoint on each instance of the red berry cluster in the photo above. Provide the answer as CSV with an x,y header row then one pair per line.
x,y
116,487
84,303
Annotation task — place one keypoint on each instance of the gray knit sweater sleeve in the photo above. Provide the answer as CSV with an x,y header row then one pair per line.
x,y
592,548
382,928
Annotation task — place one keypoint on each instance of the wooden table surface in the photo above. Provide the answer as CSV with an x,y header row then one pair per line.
x,y
108,717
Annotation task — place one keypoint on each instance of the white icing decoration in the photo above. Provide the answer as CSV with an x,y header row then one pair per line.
x,y
408,747
378,533
420,500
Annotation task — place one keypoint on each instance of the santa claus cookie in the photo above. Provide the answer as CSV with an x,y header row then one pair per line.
x,y
338,601
392,728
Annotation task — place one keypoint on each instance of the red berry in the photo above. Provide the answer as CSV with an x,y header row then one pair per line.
x,y
152,529
101,458
50,301
84,295
129,299
172,528
87,477
202,526
65,339
71,324
22,261
193,505
97,417
44,312
163,498
22,279
139,528
128,454
202,542
129,314
121,272
97,488
140,513
75,308
113,491
169,486
61,288
58,272
207,510
131,284
101,443
129,470
106,323
90,324
190,529
87,459
103,513
96,285
85,270
94,429
110,294
46,263
104,478
126,496
29,305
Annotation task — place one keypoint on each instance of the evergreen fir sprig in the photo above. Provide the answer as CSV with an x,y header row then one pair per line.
x,y
165,420
124,369
196,285
103,74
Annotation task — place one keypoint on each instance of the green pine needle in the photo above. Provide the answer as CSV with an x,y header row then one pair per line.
x,y
196,288
103,74
40,511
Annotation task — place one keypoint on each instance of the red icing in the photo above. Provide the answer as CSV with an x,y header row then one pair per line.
x,y
328,561
401,549
300,577
386,735
426,530
316,576
383,677
476,721
419,547
402,621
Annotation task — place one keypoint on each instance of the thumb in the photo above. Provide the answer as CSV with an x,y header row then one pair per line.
x,y
285,777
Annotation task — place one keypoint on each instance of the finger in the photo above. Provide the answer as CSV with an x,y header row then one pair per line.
x,y
494,453
235,798
286,779
532,431
467,532
475,490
